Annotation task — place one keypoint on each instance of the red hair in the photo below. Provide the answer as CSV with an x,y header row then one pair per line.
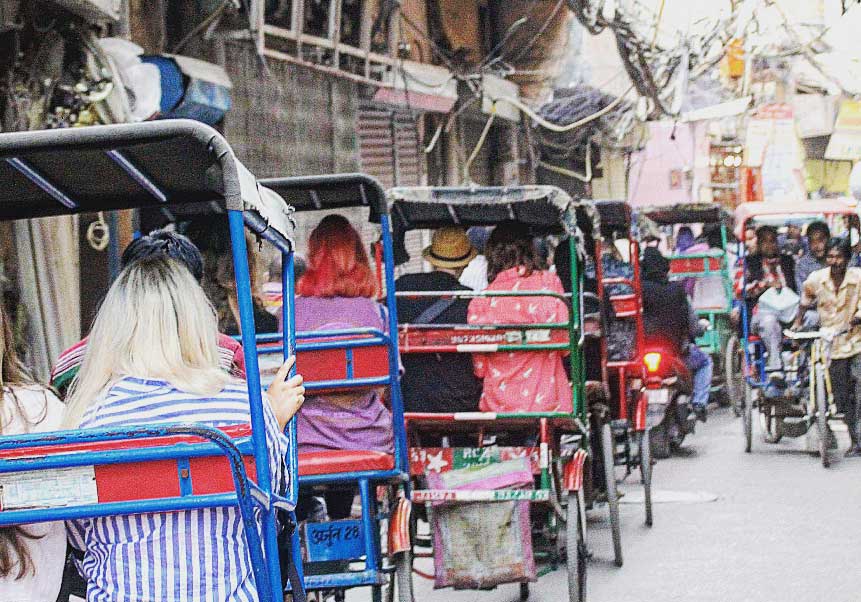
x,y
337,262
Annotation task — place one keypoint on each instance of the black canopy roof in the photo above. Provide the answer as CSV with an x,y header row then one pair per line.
x,y
309,193
687,213
546,209
172,167
613,214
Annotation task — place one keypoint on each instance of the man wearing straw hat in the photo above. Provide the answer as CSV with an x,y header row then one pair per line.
x,y
439,382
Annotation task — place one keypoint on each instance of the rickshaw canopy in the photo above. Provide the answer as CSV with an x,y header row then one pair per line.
x,y
545,209
687,213
175,167
747,211
614,214
337,191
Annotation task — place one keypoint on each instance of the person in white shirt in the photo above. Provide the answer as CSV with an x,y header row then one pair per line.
x,y
474,274
32,556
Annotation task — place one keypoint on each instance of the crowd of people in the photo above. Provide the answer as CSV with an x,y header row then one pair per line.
x,y
174,360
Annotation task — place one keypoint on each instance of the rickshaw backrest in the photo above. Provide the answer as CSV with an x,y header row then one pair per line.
x,y
625,306
694,265
151,479
319,366
358,361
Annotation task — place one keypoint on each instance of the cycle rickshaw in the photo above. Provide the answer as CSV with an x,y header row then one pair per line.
x,y
621,305
349,361
176,168
557,443
710,274
806,399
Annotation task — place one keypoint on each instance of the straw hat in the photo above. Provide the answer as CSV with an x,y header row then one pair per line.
x,y
450,248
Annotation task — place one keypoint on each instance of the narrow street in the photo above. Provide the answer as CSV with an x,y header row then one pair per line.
x,y
780,527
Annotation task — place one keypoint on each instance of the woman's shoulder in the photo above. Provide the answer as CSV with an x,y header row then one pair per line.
x,y
39,408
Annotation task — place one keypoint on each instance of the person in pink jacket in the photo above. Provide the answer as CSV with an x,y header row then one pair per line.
x,y
522,381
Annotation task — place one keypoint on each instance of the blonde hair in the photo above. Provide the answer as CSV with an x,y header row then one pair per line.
x,y
155,322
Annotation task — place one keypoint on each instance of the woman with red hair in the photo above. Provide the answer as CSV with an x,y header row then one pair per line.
x,y
336,292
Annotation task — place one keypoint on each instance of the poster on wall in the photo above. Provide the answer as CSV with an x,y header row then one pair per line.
x,y
772,145
845,143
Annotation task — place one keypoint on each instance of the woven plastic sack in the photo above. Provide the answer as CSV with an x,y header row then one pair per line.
x,y
483,544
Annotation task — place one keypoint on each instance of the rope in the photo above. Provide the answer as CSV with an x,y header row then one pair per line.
x,y
98,233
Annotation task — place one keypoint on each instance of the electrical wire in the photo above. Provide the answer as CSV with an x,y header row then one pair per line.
x,y
570,173
563,128
209,20
479,144
539,33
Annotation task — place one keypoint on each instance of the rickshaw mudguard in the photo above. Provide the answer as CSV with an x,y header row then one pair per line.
x,y
572,475
399,527
640,413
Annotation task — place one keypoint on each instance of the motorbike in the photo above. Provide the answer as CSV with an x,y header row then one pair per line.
x,y
667,389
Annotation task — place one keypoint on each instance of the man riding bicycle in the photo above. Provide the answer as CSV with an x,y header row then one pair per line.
x,y
836,292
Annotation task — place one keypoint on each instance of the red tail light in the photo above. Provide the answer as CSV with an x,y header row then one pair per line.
x,y
652,361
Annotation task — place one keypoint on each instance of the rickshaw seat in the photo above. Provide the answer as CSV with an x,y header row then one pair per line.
x,y
341,461
625,306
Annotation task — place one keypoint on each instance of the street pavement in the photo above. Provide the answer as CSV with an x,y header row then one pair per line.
x,y
780,527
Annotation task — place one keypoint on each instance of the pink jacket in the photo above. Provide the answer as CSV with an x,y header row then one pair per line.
x,y
523,381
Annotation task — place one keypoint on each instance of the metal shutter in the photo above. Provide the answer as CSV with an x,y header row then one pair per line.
x,y
389,145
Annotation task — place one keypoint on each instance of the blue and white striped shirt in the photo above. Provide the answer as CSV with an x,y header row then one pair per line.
x,y
187,556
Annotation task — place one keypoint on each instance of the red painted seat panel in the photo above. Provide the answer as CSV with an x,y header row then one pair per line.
x,y
341,461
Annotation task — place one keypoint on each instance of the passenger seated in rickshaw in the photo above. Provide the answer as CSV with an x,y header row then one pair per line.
x,y
212,237
162,367
621,333
818,236
792,243
522,381
707,292
158,243
439,382
31,556
474,275
336,293
768,270
669,321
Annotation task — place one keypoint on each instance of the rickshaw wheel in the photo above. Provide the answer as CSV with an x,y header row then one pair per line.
x,y
771,425
403,577
822,417
734,374
576,553
646,474
524,592
748,417
612,492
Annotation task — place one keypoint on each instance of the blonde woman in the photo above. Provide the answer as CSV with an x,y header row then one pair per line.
x,y
153,358
31,557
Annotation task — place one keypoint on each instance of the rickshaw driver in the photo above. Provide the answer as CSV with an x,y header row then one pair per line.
x,y
836,292
768,269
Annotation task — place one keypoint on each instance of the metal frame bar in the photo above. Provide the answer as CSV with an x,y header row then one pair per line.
x,y
136,175
29,172
258,424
